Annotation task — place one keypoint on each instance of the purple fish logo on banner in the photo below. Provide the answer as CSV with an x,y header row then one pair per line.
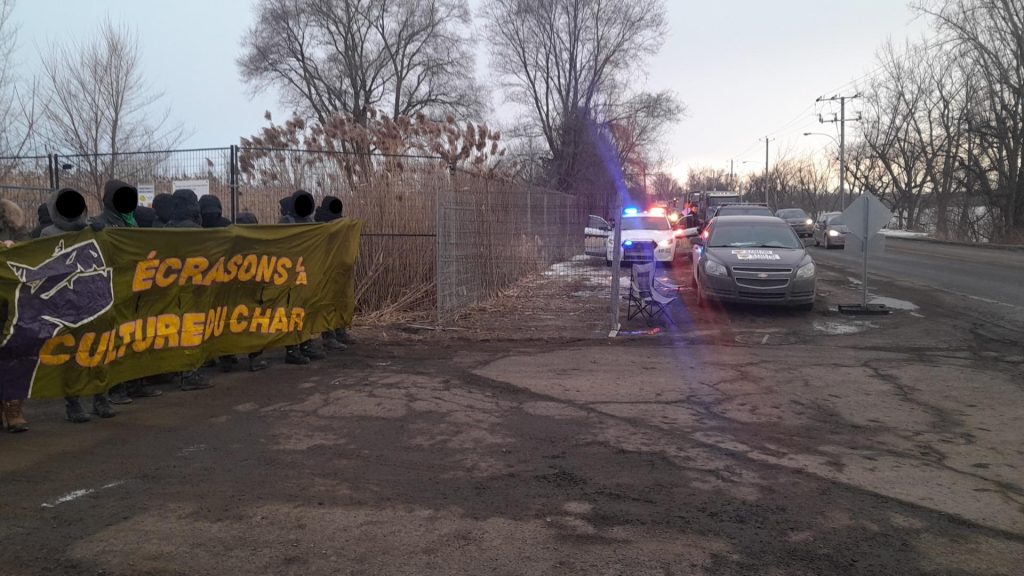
x,y
69,289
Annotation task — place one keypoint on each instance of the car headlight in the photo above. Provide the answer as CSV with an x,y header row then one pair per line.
x,y
712,268
833,233
808,221
665,243
806,271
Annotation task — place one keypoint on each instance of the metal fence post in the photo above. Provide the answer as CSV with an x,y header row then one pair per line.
x,y
233,181
50,171
56,172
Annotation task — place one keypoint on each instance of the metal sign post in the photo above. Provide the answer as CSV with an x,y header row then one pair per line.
x,y
616,268
864,218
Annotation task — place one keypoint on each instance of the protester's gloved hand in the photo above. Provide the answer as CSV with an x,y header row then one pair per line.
x,y
97,226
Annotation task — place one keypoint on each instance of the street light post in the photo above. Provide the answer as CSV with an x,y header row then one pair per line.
x,y
842,163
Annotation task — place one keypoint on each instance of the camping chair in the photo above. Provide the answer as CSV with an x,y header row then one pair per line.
x,y
644,299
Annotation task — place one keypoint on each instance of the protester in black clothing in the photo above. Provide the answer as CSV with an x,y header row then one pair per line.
x,y
211,212
120,200
331,209
298,209
186,215
255,362
246,218
145,217
186,210
44,220
163,204
70,214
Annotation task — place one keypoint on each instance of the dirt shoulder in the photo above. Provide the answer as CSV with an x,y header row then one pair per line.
x,y
733,441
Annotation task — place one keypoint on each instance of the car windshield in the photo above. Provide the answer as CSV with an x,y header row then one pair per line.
x,y
646,223
767,235
792,213
744,211
835,220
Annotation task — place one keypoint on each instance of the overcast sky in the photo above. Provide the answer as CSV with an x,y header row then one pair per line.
x,y
744,68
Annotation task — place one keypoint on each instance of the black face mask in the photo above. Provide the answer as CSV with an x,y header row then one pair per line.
x,y
70,205
335,206
304,206
126,200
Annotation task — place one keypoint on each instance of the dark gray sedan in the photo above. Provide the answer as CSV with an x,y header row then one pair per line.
x,y
799,220
752,259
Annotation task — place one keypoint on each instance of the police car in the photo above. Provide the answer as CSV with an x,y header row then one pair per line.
x,y
646,236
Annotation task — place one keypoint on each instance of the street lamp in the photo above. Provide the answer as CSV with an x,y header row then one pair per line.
x,y
842,165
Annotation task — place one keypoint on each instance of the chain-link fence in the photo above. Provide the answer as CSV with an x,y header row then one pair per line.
x,y
435,241
491,233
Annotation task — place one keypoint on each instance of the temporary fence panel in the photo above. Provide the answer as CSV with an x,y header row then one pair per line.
x,y
491,233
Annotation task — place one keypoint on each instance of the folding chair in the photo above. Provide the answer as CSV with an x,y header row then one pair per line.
x,y
644,298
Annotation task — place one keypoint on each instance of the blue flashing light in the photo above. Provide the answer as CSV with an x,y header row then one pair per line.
x,y
627,243
630,211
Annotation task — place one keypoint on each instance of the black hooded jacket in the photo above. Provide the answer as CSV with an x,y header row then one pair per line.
x,y
330,209
246,218
69,212
186,210
145,216
297,208
212,213
44,220
163,204
119,199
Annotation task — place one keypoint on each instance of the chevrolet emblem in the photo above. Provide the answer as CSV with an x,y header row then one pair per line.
x,y
762,275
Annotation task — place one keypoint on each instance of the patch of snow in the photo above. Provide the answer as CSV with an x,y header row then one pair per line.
x,y
838,328
893,303
902,233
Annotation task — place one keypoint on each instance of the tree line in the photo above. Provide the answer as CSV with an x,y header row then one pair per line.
x,y
570,66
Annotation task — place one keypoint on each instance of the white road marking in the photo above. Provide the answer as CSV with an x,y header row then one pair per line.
x,y
75,495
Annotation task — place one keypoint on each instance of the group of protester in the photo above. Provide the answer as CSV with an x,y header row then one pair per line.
x,y
66,211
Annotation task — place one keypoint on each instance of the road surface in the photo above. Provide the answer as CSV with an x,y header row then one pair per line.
x,y
987,275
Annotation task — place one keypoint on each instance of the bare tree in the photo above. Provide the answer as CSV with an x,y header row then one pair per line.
x,y
17,102
570,63
97,104
990,37
330,57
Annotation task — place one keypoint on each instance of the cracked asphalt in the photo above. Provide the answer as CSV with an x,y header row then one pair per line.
x,y
732,442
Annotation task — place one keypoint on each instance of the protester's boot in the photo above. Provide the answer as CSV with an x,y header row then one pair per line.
x,y
292,355
101,406
310,351
193,380
342,335
256,363
73,410
119,395
138,389
227,363
331,343
13,418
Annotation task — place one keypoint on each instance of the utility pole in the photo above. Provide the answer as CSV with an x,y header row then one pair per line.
x,y
841,120
766,141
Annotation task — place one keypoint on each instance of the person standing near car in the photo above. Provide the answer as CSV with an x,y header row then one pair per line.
x,y
12,231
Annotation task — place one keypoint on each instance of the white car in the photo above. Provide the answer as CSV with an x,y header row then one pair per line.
x,y
646,236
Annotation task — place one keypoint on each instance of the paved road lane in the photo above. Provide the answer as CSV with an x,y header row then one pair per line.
x,y
991,275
